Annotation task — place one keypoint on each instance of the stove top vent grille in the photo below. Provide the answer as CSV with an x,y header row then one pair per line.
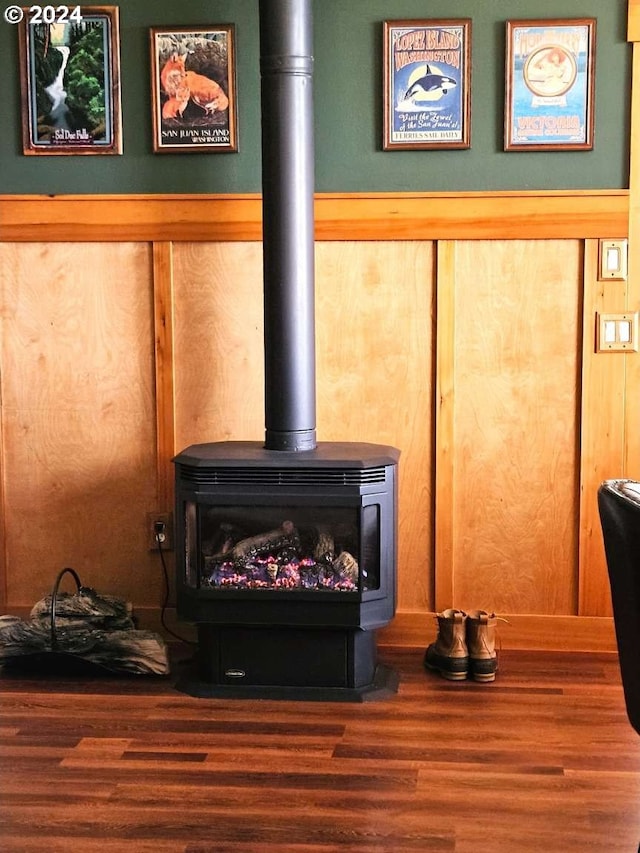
x,y
284,477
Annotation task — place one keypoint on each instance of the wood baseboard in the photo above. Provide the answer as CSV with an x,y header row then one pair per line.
x,y
529,632
525,632
521,632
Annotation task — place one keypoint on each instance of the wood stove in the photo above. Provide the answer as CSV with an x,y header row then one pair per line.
x,y
286,551
287,565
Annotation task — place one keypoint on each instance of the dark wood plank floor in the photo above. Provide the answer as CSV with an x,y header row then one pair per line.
x,y
543,759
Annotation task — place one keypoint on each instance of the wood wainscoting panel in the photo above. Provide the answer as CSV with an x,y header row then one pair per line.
x,y
78,457
602,431
374,365
518,313
218,342
444,424
632,366
163,305
374,339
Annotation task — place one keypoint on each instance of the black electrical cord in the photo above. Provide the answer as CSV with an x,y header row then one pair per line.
x,y
165,601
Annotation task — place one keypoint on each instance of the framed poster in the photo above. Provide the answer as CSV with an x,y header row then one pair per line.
x,y
193,91
549,85
70,80
427,75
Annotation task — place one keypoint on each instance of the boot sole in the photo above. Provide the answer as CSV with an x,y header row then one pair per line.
x,y
450,676
491,676
483,670
452,671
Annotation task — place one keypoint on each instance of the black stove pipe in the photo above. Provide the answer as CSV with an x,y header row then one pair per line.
x,y
286,65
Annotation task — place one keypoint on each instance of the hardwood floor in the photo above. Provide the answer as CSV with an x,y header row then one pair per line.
x,y
543,759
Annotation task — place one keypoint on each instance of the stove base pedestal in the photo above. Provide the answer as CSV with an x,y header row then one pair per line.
x,y
323,664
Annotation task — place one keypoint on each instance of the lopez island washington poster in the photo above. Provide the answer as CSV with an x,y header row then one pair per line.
x,y
426,69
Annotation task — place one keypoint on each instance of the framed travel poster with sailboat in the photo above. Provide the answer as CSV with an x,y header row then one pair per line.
x,y
70,80
549,85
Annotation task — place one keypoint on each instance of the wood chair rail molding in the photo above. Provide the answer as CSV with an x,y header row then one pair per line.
x,y
376,216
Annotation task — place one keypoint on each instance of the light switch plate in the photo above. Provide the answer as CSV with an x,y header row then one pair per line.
x,y
613,260
617,332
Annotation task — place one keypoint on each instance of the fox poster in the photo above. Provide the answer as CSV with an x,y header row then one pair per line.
x,y
193,96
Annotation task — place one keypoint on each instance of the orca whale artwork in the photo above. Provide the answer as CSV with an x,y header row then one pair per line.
x,y
70,79
549,85
427,70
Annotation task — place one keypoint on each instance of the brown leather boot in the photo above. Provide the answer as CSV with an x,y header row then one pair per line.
x,y
449,655
481,642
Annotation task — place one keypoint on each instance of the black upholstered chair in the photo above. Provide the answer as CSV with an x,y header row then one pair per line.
x,y
619,507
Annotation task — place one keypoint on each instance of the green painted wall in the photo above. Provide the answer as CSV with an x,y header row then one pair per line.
x,y
348,95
